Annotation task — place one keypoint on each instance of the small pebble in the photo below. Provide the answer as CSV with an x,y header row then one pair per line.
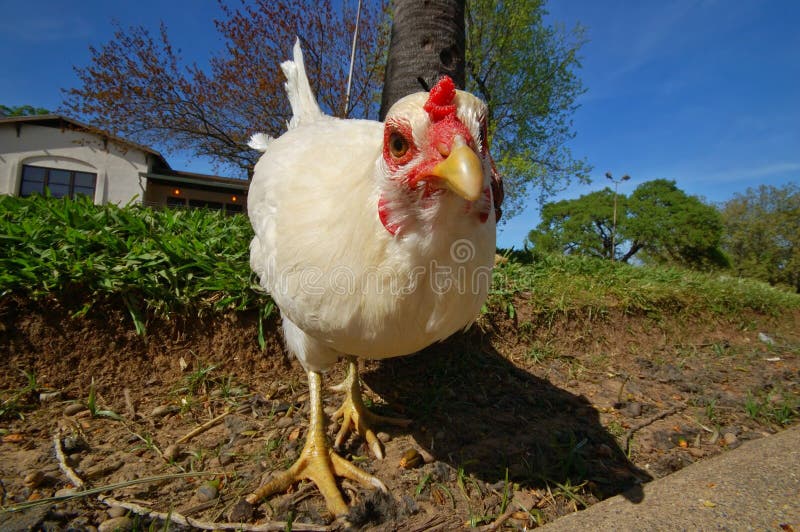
x,y
206,492
74,408
33,479
64,492
88,462
163,410
172,452
696,453
284,422
633,409
730,438
384,437
103,468
116,511
49,396
242,511
116,524
225,459
411,459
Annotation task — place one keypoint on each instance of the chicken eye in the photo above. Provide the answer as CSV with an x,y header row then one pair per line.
x,y
398,145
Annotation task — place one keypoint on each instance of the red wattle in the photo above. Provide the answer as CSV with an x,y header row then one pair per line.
x,y
383,214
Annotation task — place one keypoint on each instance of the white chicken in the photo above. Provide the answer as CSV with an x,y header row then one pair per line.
x,y
375,240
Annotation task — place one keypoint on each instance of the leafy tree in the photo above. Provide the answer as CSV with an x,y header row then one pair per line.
x,y
137,85
580,226
526,71
659,222
22,110
673,227
762,233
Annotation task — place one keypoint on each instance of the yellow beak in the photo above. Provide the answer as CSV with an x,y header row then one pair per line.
x,y
461,172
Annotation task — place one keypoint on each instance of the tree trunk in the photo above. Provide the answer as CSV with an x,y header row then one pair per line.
x,y
427,41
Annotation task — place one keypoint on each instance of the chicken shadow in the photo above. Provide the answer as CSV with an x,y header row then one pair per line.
x,y
473,409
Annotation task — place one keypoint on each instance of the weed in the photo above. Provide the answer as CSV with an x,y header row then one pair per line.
x,y
94,410
197,381
422,483
505,501
711,410
17,400
775,406
571,492
539,354
615,428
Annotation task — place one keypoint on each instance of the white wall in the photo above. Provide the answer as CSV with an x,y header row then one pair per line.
x,y
117,166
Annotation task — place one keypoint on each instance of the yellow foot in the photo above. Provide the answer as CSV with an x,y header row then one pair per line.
x,y
356,416
317,462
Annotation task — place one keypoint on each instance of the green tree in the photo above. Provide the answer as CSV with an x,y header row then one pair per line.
x,y
580,226
658,223
762,233
22,110
672,227
526,71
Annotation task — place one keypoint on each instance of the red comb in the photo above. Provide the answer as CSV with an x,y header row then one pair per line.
x,y
440,102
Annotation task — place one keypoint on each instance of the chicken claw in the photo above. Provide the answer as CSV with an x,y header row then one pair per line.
x,y
355,416
318,462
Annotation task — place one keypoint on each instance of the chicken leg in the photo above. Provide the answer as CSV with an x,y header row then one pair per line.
x,y
317,461
355,416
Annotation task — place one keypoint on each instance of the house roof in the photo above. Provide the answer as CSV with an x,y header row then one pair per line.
x,y
63,122
191,178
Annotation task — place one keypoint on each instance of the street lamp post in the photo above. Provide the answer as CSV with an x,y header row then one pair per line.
x,y
614,226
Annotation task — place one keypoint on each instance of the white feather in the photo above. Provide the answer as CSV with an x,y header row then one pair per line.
x,y
259,141
304,105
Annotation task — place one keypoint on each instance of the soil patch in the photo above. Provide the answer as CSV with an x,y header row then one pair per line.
x,y
528,418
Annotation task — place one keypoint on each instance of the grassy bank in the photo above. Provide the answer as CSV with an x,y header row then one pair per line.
x,y
160,262
567,285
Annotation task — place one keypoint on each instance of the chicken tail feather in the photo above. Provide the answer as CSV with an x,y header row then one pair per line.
x,y
304,105
259,141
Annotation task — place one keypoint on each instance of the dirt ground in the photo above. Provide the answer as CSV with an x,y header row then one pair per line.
x,y
515,422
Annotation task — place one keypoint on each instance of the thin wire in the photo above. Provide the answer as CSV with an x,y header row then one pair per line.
x,y
352,61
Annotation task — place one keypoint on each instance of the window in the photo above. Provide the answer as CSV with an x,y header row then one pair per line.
x,y
60,183
203,204
176,202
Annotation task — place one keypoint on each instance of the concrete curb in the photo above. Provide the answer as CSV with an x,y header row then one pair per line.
x,y
754,487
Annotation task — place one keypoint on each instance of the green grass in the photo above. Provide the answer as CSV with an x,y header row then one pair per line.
x,y
13,403
190,262
775,406
154,261
571,285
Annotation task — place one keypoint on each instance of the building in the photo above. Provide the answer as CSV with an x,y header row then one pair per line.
x,y
70,158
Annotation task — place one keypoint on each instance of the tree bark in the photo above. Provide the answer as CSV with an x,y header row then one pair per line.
x,y
427,41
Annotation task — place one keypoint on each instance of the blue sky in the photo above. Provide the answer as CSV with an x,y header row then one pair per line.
x,y
705,92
